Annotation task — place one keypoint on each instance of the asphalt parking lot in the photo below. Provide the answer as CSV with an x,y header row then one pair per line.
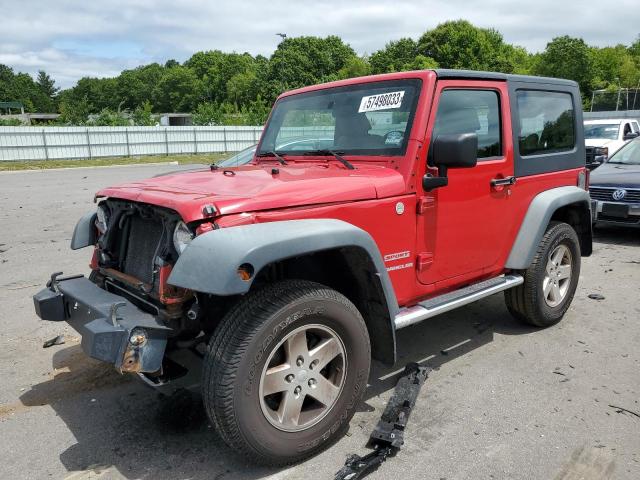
x,y
506,401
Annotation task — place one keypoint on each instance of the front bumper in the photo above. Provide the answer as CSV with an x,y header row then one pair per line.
x,y
615,213
106,323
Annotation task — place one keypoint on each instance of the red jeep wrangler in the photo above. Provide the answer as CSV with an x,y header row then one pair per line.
x,y
397,197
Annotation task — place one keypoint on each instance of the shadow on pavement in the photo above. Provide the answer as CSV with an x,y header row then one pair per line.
x,y
446,337
628,237
121,424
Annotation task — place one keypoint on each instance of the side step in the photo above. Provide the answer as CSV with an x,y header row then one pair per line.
x,y
449,301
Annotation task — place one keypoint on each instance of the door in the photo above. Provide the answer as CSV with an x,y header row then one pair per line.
x,y
464,225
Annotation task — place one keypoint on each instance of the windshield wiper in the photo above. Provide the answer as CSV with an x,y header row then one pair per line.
x,y
323,153
272,154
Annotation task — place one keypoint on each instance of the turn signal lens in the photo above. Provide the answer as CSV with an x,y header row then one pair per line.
x,y
245,272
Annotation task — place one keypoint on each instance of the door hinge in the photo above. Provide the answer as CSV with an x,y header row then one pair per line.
x,y
424,261
424,204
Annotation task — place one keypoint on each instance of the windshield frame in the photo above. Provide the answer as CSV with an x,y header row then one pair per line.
x,y
416,83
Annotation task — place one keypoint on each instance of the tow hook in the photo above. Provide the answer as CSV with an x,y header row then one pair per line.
x,y
388,435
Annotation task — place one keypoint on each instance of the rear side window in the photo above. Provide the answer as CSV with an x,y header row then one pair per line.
x,y
546,122
471,111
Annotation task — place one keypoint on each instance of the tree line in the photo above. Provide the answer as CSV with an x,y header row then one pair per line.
x,y
238,88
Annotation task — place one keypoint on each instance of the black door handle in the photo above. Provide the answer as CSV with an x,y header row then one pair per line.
x,y
503,182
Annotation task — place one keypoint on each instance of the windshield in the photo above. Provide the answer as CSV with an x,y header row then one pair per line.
x,y
241,158
364,119
629,154
601,130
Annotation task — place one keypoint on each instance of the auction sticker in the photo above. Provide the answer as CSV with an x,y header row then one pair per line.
x,y
382,101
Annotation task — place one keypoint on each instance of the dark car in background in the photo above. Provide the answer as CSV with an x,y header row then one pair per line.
x,y
615,188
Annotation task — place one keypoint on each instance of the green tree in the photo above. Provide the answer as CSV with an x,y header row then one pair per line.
x,y
614,65
461,45
46,84
10,122
302,61
109,118
396,56
135,87
567,57
143,115
178,90
242,87
207,114
220,71
74,111
20,87
355,67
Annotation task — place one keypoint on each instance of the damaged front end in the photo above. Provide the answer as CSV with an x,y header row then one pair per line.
x,y
113,329
126,312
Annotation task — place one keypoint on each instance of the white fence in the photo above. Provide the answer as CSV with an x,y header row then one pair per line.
x,y
53,143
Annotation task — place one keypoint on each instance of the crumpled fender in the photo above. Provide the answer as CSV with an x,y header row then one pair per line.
x,y
210,263
84,233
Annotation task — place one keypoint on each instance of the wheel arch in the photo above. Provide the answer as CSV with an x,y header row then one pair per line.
x,y
332,252
567,204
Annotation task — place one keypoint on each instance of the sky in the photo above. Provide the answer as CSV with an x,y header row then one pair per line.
x,y
70,39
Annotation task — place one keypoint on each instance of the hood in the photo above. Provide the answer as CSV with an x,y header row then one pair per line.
x,y
598,142
615,175
253,187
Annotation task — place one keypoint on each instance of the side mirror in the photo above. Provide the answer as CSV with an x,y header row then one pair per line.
x,y
458,150
631,135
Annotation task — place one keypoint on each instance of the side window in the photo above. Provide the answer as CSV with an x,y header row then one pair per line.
x,y
634,125
546,122
471,111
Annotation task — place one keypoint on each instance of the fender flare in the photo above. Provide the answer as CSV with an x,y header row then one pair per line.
x,y
84,233
210,263
535,222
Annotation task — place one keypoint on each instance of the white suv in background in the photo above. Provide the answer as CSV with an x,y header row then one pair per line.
x,y
605,137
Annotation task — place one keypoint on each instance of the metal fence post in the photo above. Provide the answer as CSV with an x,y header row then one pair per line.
x,y
255,137
195,141
166,141
88,143
126,134
44,142
224,138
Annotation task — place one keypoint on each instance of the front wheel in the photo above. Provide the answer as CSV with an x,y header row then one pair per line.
x,y
285,371
550,281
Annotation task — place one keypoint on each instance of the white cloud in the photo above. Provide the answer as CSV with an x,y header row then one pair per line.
x,y
110,36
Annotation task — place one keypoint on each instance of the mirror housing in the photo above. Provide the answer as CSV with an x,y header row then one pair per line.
x,y
631,135
458,150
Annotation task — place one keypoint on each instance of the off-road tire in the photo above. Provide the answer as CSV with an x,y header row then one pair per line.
x,y
237,354
526,302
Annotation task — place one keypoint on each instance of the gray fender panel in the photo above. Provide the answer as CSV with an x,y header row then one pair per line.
x,y
210,263
536,220
84,234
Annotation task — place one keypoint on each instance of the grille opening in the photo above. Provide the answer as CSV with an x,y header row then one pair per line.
x,y
144,243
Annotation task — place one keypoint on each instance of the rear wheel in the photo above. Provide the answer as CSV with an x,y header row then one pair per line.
x,y
550,281
285,371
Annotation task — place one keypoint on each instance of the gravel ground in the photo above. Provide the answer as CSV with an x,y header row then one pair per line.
x,y
506,401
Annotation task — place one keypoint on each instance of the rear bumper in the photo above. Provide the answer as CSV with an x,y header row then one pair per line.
x,y
112,328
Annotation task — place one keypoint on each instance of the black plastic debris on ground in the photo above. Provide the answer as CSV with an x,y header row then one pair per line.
x,y
595,296
59,340
388,435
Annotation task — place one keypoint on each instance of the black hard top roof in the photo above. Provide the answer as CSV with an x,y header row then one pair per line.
x,y
475,75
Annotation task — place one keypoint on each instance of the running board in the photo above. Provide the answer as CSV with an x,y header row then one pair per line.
x,y
449,301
